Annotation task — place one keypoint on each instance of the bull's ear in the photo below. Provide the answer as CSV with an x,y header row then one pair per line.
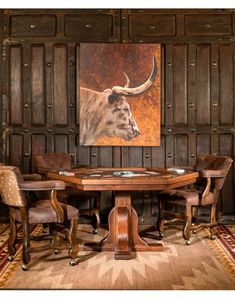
x,y
112,98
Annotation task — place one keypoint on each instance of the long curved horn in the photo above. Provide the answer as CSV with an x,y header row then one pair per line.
x,y
127,81
127,91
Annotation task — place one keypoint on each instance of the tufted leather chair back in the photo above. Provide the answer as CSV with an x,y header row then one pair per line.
x,y
10,178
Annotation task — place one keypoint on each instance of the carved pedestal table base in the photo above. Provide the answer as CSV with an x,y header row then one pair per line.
x,y
123,237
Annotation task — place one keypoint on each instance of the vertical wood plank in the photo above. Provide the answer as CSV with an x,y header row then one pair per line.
x,y
61,143
60,96
147,156
136,158
169,86
226,84
95,156
16,145
116,156
82,153
169,103
191,78
77,50
38,146
72,100
180,85
26,69
181,149
49,95
16,89
37,85
159,154
125,156
214,85
203,85
203,144
106,155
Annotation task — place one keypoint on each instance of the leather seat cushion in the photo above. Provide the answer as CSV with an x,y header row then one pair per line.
x,y
183,197
43,212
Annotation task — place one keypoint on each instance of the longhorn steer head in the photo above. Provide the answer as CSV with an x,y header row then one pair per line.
x,y
108,113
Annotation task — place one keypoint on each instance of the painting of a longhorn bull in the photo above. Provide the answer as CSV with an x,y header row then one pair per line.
x,y
108,113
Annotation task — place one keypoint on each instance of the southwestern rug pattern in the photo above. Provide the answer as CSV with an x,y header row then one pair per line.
x,y
204,265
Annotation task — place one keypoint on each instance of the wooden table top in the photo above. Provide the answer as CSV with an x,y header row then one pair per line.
x,y
130,178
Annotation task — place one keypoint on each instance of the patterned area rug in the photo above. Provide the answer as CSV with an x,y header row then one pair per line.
x,y
204,265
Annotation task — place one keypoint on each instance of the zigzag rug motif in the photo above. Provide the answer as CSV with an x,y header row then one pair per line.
x,y
8,268
227,240
223,248
178,267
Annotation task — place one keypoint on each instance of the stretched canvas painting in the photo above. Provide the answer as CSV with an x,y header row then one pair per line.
x,y
120,94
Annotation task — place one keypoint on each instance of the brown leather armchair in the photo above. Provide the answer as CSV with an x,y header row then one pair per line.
x,y
49,162
14,190
212,173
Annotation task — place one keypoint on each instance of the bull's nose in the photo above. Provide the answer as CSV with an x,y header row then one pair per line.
x,y
136,133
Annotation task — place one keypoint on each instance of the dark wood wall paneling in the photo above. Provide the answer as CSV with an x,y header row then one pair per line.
x,y
40,88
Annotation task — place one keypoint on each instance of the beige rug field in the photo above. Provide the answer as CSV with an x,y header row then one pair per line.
x,y
204,265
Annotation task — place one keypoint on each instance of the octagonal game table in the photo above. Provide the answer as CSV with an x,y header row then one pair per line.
x,y
123,237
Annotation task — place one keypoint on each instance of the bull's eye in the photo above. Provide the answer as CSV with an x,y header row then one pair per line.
x,y
122,127
116,110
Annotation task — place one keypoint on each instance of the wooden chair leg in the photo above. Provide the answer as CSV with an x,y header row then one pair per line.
x,y
188,224
73,251
97,222
26,240
12,237
213,222
160,220
194,214
96,215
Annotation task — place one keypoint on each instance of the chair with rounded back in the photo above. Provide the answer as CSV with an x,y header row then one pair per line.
x,y
212,173
13,190
49,162
28,176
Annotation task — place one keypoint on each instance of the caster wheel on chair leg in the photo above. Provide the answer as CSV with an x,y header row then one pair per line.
x,y
72,263
10,258
188,242
25,267
95,231
161,235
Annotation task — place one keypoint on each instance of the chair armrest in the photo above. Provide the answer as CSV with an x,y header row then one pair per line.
x,y
32,177
45,170
207,173
42,185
